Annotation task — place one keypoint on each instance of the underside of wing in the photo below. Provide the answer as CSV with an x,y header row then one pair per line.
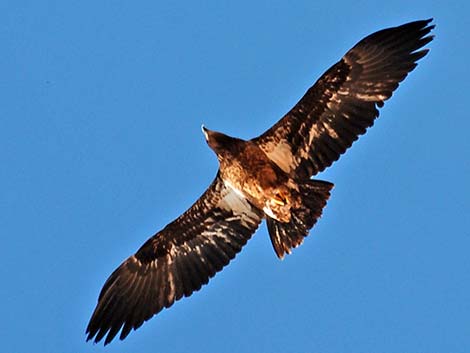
x,y
175,262
343,103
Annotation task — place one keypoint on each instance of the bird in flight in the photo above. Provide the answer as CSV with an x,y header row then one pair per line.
x,y
267,177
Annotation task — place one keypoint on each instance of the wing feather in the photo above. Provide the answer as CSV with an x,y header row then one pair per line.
x,y
175,262
343,103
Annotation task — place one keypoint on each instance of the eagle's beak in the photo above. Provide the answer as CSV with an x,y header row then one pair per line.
x,y
205,132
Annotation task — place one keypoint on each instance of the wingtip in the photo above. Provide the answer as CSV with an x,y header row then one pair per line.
x,y
88,334
428,26
107,340
425,22
90,338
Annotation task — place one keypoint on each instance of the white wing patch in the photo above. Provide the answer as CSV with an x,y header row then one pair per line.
x,y
235,201
269,212
232,189
280,153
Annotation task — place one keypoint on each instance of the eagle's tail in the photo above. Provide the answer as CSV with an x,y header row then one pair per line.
x,y
285,236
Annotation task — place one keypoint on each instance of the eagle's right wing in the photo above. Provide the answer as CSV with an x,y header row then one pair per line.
x,y
175,262
343,103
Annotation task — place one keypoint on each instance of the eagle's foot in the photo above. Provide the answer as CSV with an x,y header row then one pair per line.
x,y
280,199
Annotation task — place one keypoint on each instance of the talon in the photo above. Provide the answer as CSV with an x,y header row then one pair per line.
x,y
278,202
280,199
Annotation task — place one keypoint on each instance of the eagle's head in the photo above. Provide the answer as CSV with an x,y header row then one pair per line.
x,y
218,141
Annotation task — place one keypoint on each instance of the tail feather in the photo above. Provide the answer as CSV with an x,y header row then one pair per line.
x,y
286,236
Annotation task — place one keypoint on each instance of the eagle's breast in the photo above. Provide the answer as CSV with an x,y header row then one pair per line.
x,y
253,175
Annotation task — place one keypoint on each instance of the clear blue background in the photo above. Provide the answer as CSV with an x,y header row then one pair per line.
x,y
100,146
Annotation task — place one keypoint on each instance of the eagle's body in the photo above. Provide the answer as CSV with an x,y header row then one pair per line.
x,y
268,177
250,173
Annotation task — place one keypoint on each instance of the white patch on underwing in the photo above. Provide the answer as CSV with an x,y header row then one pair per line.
x,y
173,252
233,188
269,212
234,201
312,135
171,281
371,97
330,131
281,154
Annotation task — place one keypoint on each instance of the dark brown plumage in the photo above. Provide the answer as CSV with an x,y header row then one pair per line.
x,y
264,178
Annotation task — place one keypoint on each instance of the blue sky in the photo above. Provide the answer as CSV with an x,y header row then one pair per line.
x,y
100,147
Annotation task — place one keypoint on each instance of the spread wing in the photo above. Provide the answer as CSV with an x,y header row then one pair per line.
x,y
343,103
175,262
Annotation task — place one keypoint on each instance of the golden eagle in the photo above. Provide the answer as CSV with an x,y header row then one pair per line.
x,y
267,177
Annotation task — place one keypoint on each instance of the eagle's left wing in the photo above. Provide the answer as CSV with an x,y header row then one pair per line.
x,y
175,262
343,103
